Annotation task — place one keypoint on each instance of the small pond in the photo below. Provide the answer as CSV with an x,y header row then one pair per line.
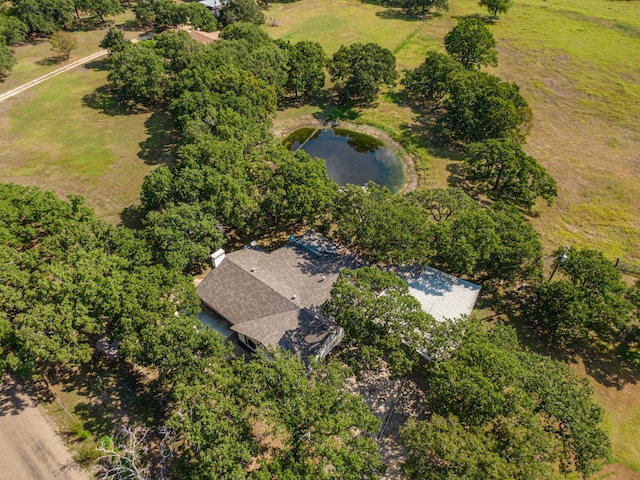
x,y
350,157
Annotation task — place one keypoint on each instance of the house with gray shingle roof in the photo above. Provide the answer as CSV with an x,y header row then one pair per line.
x,y
275,299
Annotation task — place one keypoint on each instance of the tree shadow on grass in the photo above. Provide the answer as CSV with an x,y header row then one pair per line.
x,y
422,131
95,65
88,24
132,216
606,366
129,26
103,100
111,394
396,14
55,60
161,145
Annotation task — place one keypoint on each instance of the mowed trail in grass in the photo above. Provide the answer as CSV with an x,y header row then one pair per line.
x,y
63,135
578,64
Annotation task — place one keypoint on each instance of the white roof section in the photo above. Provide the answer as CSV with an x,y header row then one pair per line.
x,y
212,3
441,295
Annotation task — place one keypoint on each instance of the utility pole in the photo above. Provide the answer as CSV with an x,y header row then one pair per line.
x,y
562,259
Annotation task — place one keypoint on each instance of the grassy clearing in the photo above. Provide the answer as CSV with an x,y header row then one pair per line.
x,y
35,57
577,64
67,135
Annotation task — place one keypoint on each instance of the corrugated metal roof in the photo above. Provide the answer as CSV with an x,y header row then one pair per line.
x,y
212,3
441,295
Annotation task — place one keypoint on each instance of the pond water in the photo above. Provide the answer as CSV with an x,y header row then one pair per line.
x,y
350,157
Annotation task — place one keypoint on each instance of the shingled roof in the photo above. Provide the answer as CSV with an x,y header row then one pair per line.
x,y
275,298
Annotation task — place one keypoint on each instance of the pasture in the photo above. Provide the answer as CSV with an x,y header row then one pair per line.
x,y
576,62
70,136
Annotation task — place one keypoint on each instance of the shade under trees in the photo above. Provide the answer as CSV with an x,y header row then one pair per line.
x,y
360,69
500,412
422,7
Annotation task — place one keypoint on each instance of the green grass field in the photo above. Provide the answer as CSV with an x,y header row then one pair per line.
x,y
577,62
69,136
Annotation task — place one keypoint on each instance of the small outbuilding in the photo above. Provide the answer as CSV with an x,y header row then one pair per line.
x,y
215,6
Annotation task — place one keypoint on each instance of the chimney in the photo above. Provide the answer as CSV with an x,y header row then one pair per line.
x,y
217,257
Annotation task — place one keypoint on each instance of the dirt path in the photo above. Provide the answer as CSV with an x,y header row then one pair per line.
x,y
30,449
49,75
283,128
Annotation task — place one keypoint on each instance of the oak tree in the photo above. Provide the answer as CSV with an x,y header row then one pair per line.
x,y
360,69
501,169
471,43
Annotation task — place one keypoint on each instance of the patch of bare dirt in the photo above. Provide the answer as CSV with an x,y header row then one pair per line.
x,y
29,446
393,401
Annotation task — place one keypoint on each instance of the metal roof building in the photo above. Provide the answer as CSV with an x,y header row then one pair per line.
x,y
441,295
275,299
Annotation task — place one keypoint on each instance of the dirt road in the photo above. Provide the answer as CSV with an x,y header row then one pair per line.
x,y
47,76
29,446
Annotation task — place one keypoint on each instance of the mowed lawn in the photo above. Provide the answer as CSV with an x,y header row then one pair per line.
x,y
63,136
578,64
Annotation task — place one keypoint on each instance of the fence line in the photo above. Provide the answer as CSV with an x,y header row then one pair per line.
x,y
627,267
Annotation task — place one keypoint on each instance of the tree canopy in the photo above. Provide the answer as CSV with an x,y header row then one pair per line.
x,y
471,43
501,412
590,299
496,6
414,7
305,72
360,69
480,107
502,170
236,11
7,60
379,317
430,81
43,17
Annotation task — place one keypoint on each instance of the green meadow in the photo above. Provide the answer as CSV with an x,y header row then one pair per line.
x,y
576,61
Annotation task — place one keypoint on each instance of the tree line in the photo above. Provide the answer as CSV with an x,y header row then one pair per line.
x,y
71,279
